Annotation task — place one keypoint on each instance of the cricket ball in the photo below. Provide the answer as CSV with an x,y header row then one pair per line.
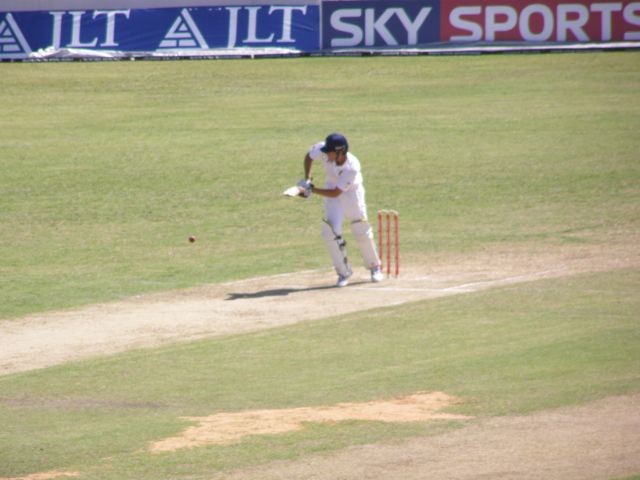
x,y
192,238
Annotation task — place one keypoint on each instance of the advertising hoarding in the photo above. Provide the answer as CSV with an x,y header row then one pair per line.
x,y
163,29
314,26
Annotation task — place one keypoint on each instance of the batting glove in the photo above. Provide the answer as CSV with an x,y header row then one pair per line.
x,y
305,188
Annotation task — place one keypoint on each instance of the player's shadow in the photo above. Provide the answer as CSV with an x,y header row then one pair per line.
x,y
281,292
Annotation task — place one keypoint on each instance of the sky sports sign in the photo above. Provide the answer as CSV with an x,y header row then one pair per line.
x,y
318,25
359,24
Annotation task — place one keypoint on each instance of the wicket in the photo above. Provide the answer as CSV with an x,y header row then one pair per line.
x,y
386,218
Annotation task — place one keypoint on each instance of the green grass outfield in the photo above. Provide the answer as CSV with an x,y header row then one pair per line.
x,y
106,168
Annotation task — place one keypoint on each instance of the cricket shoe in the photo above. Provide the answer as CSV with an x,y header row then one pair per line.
x,y
343,280
376,275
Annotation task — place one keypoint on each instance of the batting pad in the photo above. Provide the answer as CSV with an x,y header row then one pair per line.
x,y
337,250
363,234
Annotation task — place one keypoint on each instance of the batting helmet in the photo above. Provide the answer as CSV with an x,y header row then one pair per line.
x,y
335,142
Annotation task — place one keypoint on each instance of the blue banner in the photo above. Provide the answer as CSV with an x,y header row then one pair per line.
x,y
163,29
357,24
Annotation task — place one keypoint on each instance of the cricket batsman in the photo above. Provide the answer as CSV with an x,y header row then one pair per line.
x,y
343,194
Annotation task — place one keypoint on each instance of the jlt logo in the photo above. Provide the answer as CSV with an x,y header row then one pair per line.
x,y
185,32
242,29
252,24
107,40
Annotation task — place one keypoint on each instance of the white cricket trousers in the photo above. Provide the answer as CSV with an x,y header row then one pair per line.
x,y
350,205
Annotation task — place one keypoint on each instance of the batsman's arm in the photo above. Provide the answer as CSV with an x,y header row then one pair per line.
x,y
308,163
326,192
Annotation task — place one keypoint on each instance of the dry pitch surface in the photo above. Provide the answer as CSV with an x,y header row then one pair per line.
x,y
601,440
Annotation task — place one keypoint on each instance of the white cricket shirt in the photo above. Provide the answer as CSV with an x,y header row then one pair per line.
x,y
346,176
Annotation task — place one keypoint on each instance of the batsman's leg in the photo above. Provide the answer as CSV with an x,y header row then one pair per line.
x,y
363,234
337,250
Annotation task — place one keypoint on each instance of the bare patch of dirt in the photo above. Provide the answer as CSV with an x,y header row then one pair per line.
x,y
38,341
45,475
596,441
231,427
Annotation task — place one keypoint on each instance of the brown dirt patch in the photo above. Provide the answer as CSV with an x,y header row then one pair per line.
x,y
44,476
596,441
231,427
